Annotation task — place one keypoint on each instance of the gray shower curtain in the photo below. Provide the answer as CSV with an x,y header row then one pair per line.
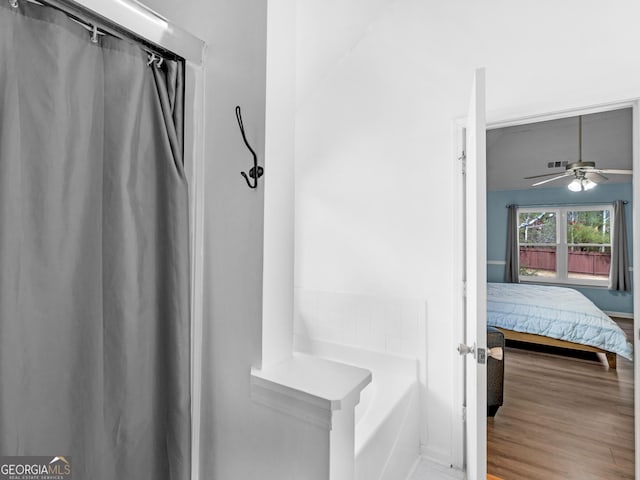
x,y
94,280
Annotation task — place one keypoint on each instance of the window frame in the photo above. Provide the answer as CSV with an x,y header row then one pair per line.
x,y
562,245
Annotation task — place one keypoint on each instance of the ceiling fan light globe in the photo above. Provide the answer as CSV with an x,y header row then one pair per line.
x,y
588,184
575,185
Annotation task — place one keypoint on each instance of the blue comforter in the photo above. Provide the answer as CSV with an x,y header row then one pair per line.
x,y
556,312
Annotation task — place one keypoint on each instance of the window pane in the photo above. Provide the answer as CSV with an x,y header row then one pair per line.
x,y
590,263
537,227
592,227
537,261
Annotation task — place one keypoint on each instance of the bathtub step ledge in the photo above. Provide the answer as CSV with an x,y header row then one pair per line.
x,y
309,388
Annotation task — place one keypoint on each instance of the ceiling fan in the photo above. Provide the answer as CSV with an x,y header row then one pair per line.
x,y
583,173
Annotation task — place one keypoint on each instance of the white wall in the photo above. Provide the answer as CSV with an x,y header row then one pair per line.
x,y
240,440
379,84
277,310
394,326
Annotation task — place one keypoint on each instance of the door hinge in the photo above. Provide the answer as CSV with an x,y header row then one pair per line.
x,y
463,163
464,289
464,413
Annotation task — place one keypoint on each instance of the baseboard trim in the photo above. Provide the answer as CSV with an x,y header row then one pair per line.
x,y
431,469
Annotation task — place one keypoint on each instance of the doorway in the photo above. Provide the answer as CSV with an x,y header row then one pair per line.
x,y
555,394
634,246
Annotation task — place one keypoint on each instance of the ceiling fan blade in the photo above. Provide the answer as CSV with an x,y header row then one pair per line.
x,y
613,171
567,174
540,176
595,172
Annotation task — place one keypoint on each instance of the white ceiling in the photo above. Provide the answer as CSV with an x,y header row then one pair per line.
x,y
525,150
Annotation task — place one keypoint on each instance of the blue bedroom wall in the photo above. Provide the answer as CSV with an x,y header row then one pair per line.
x,y
497,201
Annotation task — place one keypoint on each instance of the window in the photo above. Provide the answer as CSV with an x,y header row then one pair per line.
x,y
565,244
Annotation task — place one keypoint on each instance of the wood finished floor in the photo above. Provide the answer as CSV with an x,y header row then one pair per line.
x,y
564,417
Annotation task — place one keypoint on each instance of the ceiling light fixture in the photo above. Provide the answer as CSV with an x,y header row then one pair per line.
x,y
581,184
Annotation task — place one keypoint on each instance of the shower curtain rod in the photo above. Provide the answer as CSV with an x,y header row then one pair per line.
x,y
94,23
586,204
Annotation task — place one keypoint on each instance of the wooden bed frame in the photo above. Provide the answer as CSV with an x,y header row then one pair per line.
x,y
554,342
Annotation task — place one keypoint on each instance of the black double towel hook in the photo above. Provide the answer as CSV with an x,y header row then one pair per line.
x,y
256,172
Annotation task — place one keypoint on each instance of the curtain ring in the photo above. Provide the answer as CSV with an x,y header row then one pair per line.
x,y
152,58
13,3
159,62
94,34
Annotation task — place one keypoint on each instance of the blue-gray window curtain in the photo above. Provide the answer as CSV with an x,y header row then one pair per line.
x,y
619,274
94,277
511,268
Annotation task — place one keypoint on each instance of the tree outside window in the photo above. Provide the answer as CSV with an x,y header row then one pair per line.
x,y
565,244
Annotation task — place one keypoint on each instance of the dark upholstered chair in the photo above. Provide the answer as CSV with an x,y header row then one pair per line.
x,y
495,372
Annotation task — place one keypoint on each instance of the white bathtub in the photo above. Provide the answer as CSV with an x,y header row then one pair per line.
x,y
387,436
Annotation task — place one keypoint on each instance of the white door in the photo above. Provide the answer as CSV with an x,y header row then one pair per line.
x,y
476,286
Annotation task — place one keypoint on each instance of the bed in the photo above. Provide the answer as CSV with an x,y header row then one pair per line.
x,y
554,316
